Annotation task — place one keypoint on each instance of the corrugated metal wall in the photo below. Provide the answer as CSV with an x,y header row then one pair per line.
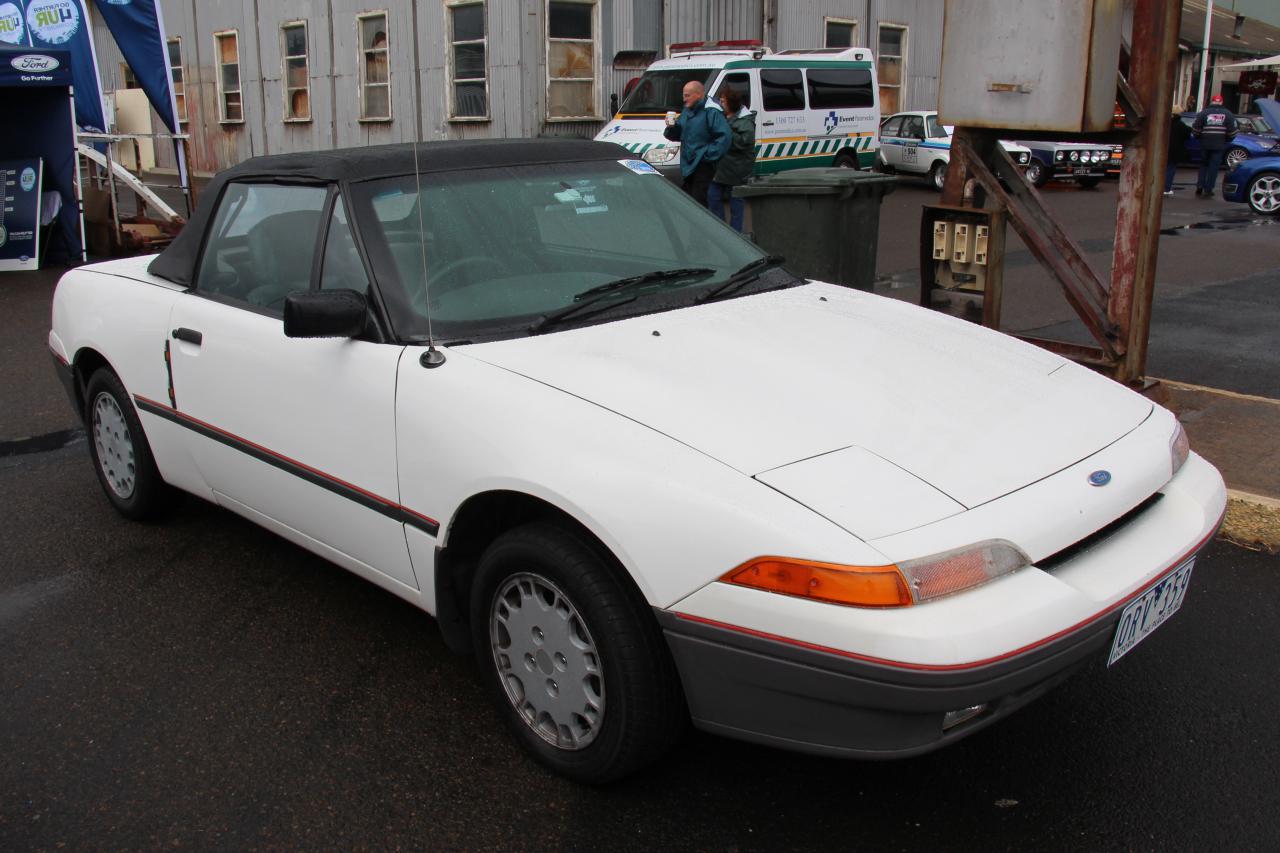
x,y
710,20
801,23
923,19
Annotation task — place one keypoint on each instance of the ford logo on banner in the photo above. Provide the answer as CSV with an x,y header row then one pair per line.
x,y
33,63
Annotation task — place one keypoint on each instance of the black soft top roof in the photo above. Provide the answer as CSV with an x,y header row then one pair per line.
x,y
177,263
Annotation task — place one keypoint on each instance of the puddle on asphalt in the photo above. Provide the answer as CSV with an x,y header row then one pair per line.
x,y
1233,223
41,443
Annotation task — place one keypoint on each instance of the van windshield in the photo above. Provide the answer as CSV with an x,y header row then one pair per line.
x,y
660,91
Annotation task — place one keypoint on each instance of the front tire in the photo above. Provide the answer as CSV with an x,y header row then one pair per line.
x,y
1263,194
573,658
121,456
1235,156
1036,173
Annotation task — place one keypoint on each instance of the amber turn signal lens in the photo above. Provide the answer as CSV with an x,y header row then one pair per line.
x,y
859,586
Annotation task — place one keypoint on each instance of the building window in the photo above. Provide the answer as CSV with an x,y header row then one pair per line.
x,y
468,60
571,59
841,32
375,71
179,81
297,72
227,49
891,63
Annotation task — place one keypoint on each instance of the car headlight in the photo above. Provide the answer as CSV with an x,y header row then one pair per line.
x,y
1059,156
1075,156
892,585
662,155
1179,448
1024,157
1104,156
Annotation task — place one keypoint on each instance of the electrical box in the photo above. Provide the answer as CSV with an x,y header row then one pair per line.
x,y
1040,66
961,262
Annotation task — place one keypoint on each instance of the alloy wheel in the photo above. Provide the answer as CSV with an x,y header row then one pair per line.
x,y
1264,194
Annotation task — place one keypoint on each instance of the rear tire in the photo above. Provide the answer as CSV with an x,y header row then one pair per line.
x,y
121,456
846,160
938,175
572,656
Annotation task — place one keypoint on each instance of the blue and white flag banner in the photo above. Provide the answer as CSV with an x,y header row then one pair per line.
x,y
60,24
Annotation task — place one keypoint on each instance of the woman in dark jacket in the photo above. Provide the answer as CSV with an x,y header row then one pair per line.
x,y
1179,133
735,167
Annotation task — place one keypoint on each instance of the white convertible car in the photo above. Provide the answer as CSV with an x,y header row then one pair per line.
x,y
639,469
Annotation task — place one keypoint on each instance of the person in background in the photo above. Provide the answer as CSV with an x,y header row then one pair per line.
x,y
704,137
1179,133
736,166
1216,126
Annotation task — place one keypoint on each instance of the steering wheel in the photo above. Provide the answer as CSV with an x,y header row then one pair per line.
x,y
437,280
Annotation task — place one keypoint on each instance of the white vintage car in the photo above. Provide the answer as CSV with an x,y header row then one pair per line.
x,y
917,143
639,469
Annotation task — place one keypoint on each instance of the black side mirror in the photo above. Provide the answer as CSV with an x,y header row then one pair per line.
x,y
325,314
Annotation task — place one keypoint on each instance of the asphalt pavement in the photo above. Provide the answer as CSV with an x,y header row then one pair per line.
x,y
201,683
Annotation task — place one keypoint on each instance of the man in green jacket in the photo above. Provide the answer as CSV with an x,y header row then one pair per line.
x,y
703,135
735,167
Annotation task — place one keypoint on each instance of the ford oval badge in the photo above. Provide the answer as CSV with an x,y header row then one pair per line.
x,y
34,62
1099,478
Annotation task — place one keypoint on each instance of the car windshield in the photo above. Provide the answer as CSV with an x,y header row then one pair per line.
x,y
1254,124
505,247
660,91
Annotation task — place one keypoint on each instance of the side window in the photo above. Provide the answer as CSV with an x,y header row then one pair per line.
x,y
892,127
781,89
341,267
913,127
740,82
840,88
261,243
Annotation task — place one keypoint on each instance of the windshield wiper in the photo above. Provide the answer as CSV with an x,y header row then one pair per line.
x,y
592,295
551,318
644,278
742,277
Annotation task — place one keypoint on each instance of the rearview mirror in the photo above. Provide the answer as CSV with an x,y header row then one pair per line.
x,y
325,314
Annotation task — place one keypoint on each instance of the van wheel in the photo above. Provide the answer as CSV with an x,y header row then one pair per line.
x,y
846,160
938,175
575,661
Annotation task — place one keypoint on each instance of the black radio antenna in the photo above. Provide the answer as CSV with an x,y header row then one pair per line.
x,y
432,357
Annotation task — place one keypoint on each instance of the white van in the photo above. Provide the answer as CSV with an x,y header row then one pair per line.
x,y
813,107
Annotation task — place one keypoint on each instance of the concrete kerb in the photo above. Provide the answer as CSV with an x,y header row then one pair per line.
x,y
1252,521
1239,433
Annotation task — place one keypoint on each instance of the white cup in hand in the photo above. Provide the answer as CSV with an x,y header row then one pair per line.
x,y
671,118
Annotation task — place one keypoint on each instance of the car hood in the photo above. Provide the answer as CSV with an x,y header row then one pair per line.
x,y
763,381
1270,109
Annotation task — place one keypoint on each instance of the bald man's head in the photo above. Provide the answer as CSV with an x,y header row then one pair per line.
x,y
693,92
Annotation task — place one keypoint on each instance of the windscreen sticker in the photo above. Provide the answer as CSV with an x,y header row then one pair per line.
x,y
640,167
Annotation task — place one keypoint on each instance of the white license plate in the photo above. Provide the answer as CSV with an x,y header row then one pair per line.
x,y
1150,610
1081,170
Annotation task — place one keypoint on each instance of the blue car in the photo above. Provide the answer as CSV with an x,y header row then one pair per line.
x,y
1255,183
1256,135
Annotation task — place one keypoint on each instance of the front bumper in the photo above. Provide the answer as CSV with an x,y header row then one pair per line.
x,y
749,685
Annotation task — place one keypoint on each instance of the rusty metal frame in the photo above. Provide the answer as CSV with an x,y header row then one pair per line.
x,y
1117,314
